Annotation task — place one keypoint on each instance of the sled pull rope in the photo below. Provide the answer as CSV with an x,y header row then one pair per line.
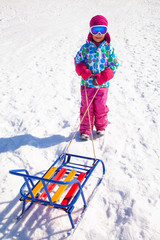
x,y
94,152
80,124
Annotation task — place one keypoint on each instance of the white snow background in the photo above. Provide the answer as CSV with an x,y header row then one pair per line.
x,y
39,112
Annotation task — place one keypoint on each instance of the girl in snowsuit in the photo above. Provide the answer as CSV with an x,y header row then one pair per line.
x,y
96,63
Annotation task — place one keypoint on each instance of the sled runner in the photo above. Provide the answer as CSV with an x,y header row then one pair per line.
x,y
62,185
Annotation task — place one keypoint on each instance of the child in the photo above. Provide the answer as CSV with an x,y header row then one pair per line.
x,y
96,64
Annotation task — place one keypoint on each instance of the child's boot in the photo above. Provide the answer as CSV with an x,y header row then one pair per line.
x,y
84,137
100,132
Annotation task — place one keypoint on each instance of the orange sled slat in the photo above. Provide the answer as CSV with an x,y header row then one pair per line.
x,y
51,186
39,185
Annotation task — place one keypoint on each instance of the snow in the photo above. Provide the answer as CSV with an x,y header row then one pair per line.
x,y
39,112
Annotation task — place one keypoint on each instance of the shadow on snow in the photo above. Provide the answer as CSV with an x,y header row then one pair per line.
x,y
13,143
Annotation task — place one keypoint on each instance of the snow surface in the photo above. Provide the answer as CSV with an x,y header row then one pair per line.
x,y
39,112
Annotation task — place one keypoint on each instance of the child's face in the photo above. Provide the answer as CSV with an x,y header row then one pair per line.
x,y
98,38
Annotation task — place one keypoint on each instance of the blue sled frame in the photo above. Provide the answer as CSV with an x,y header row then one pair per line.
x,y
70,162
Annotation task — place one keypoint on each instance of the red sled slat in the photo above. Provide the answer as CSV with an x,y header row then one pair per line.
x,y
51,186
73,190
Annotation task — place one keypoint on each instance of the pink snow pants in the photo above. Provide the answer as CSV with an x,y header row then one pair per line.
x,y
98,109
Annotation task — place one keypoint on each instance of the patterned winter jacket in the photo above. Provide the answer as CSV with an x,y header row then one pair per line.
x,y
97,59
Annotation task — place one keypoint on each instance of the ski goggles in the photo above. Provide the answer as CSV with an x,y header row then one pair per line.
x,y
98,29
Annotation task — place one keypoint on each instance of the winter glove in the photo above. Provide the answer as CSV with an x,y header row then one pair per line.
x,y
83,71
104,76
